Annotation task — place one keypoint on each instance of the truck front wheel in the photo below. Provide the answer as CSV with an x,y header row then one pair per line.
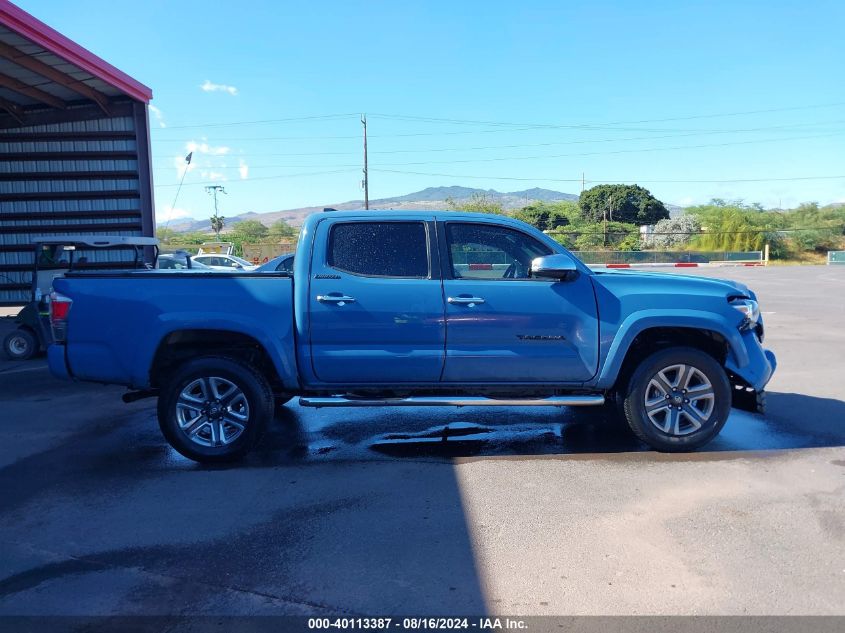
x,y
678,399
214,409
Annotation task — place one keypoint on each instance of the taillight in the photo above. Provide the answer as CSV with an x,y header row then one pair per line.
x,y
59,310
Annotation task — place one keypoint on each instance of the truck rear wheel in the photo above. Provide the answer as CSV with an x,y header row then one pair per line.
x,y
214,409
678,399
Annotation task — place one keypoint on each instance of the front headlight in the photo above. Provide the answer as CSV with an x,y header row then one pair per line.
x,y
749,308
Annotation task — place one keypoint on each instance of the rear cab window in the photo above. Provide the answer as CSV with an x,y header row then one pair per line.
x,y
380,249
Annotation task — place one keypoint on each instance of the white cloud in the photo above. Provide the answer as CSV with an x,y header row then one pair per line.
x,y
209,86
205,148
243,169
212,175
170,214
159,117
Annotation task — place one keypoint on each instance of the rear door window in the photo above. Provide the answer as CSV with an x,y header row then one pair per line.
x,y
380,249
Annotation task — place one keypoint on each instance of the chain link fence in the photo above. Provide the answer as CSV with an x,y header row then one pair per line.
x,y
668,257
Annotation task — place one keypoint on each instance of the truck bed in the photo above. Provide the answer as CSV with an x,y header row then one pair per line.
x,y
121,318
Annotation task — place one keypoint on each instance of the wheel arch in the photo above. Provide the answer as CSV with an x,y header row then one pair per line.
x,y
638,337
181,345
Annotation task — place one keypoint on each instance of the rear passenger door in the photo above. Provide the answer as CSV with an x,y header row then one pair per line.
x,y
376,303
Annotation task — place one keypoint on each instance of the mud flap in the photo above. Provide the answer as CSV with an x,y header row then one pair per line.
x,y
747,399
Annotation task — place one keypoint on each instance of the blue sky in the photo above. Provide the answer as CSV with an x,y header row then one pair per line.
x,y
504,95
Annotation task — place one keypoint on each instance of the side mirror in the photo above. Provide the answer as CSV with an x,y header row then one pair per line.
x,y
557,266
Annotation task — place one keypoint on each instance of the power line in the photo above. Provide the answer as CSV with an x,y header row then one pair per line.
x,y
249,180
257,122
426,119
620,151
593,181
614,123
548,144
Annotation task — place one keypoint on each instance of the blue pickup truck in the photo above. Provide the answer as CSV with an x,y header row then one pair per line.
x,y
394,308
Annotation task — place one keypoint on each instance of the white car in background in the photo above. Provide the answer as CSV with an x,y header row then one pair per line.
x,y
223,262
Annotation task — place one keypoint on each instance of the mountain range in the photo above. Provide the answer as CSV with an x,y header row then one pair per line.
x,y
430,198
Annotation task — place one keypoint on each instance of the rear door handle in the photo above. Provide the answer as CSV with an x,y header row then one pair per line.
x,y
465,301
340,300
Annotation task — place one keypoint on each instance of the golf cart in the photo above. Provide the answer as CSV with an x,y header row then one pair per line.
x,y
54,256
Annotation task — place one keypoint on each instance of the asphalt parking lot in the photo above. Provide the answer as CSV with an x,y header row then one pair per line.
x,y
518,511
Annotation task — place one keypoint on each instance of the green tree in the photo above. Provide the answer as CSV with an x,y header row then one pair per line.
x,y
620,236
479,203
248,231
622,203
217,224
165,234
735,226
280,230
549,216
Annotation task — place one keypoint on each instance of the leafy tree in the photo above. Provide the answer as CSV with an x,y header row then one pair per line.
x,y
281,230
217,223
165,234
620,236
248,231
479,203
548,216
674,232
622,203
735,226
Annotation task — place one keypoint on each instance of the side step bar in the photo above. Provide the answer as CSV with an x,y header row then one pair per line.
x,y
449,401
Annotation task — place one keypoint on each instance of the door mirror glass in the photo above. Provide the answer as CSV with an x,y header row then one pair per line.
x,y
557,266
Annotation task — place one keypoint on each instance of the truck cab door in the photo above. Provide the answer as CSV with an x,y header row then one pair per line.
x,y
501,324
376,303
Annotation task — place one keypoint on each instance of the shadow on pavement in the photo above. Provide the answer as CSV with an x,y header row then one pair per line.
x,y
793,421
110,521
351,511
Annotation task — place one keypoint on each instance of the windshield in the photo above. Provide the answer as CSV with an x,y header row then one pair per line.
x,y
241,261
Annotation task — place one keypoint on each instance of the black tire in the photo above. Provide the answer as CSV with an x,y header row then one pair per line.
x,y
683,434
249,404
20,344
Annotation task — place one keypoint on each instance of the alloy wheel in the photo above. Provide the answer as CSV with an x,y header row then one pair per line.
x,y
679,399
212,411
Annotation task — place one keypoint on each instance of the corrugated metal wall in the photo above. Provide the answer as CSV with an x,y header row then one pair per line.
x,y
82,177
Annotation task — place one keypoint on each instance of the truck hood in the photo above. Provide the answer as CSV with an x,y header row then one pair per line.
x,y
671,283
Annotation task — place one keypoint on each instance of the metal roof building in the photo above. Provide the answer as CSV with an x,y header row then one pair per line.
x,y
74,146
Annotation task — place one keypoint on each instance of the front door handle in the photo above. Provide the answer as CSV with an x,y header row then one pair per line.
x,y
340,300
466,301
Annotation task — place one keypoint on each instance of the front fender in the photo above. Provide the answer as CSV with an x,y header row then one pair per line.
x,y
637,322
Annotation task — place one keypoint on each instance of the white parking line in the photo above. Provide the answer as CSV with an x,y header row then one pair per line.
x,y
20,371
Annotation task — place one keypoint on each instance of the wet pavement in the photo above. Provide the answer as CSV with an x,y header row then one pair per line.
x,y
437,511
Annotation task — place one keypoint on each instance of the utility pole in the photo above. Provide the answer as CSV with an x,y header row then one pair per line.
x,y
366,181
216,224
582,182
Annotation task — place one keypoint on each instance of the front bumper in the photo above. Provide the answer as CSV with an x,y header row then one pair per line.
x,y
760,366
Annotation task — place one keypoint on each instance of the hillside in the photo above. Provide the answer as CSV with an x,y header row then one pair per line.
x,y
430,198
